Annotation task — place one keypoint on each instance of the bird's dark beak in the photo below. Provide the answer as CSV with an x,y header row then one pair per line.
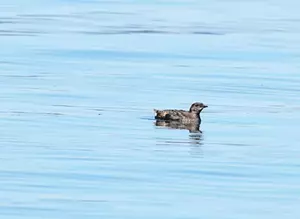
x,y
205,106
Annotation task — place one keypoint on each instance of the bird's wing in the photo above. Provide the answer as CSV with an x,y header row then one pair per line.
x,y
163,114
175,115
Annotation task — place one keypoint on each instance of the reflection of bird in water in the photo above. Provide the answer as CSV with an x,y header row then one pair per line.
x,y
180,119
195,136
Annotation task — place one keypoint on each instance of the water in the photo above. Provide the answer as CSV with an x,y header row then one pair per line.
x,y
79,80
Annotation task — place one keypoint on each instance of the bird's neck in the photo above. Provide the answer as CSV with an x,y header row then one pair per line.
x,y
195,114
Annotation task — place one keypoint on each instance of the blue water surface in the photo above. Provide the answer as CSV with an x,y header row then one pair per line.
x,y
79,81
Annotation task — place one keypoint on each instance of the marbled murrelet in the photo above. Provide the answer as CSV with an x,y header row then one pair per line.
x,y
193,115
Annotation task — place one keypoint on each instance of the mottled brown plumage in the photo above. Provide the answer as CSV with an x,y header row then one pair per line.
x,y
193,127
193,115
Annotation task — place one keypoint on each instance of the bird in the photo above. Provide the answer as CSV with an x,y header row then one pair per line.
x,y
182,116
193,127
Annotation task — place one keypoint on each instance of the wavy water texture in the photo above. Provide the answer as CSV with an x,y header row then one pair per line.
x,y
80,79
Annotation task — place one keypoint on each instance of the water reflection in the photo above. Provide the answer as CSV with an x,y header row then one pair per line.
x,y
193,127
195,140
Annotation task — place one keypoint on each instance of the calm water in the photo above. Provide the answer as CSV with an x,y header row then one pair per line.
x,y
79,80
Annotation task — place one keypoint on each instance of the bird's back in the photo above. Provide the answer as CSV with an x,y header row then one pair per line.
x,y
175,115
